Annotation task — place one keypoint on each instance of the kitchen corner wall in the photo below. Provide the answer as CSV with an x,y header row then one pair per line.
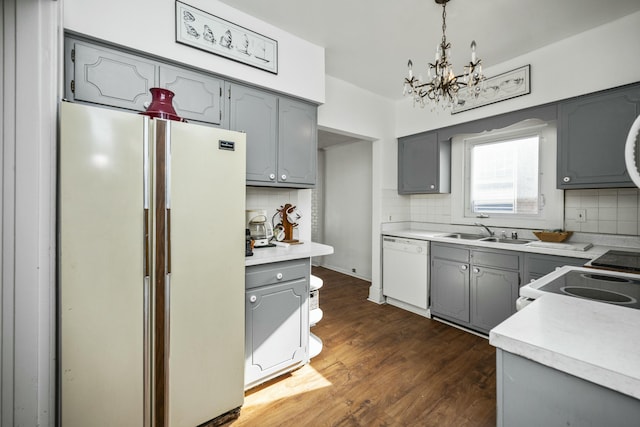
x,y
273,198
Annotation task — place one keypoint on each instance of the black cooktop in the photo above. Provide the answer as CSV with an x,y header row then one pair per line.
x,y
597,286
619,260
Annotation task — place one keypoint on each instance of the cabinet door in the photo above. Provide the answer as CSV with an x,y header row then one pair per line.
x,y
450,289
277,329
255,113
108,77
197,96
537,265
418,164
493,296
297,142
592,134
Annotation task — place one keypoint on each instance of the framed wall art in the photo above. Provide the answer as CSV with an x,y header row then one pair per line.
x,y
204,31
495,89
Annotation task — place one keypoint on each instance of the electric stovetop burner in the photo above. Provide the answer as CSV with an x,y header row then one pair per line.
x,y
605,288
619,261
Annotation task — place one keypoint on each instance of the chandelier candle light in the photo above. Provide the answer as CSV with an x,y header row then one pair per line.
x,y
442,85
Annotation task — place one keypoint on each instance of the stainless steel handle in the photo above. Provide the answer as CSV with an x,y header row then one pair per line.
x,y
253,298
272,176
283,177
566,179
279,276
476,270
432,186
463,267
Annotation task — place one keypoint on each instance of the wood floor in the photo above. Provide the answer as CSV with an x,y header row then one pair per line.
x,y
380,366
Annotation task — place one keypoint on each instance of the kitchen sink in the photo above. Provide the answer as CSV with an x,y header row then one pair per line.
x,y
501,240
464,236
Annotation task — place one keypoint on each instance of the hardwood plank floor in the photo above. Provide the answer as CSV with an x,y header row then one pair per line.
x,y
380,366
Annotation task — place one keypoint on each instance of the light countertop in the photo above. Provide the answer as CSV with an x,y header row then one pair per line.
x,y
591,340
279,253
562,250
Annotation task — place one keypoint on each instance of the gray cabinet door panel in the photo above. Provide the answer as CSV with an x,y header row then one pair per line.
x,y
256,113
107,77
297,142
450,289
197,96
493,296
277,318
592,134
418,164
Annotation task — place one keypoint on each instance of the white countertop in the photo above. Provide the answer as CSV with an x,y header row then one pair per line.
x,y
279,253
436,236
594,341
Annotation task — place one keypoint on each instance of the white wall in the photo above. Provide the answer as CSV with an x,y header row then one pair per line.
x,y
601,58
356,112
347,208
149,26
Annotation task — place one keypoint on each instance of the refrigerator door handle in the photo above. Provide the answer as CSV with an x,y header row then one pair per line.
x,y
168,241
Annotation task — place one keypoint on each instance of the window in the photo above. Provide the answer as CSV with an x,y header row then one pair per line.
x,y
506,177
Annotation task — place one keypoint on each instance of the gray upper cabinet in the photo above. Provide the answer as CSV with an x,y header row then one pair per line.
x,y
592,132
108,77
281,137
424,164
105,76
297,142
197,95
255,112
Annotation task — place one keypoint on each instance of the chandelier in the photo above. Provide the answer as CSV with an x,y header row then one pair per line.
x,y
442,85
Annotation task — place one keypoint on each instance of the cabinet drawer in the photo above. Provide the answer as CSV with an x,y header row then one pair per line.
x,y
277,272
506,260
543,264
449,252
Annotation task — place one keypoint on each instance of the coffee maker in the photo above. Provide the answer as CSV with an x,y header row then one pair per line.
x,y
259,227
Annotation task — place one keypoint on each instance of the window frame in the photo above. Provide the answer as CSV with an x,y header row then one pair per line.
x,y
551,200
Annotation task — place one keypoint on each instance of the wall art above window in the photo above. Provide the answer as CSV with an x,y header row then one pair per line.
x,y
210,33
495,89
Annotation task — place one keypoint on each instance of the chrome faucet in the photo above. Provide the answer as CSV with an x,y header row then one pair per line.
x,y
491,233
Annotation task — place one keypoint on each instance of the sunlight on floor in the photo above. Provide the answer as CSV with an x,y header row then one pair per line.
x,y
300,381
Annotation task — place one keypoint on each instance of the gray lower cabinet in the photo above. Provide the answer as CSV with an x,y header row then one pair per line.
x,y
530,395
592,131
101,75
281,137
276,318
424,164
537,265
472,287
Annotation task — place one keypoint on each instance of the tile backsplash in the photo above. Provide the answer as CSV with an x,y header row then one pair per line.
x,y
602,211
608,211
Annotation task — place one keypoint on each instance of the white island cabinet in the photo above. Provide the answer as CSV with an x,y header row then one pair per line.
x,y
568,361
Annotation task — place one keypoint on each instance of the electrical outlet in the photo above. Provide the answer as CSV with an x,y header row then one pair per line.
x,y
353,270
581,215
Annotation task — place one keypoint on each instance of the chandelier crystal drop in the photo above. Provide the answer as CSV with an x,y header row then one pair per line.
x,y
442,84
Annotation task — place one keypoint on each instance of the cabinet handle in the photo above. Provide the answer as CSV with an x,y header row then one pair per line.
x,y
463,267
284,177
566,179
279,276
432,186
272,176
253,298
476,270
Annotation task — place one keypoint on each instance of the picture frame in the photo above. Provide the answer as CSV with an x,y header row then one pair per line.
x,y
202,30
499,88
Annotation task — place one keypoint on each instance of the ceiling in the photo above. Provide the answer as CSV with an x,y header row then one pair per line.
x,y
368,42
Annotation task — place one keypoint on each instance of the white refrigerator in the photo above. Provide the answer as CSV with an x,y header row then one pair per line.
x,y
151,270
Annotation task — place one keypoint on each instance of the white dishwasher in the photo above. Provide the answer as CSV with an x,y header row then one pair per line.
x,y
405,273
